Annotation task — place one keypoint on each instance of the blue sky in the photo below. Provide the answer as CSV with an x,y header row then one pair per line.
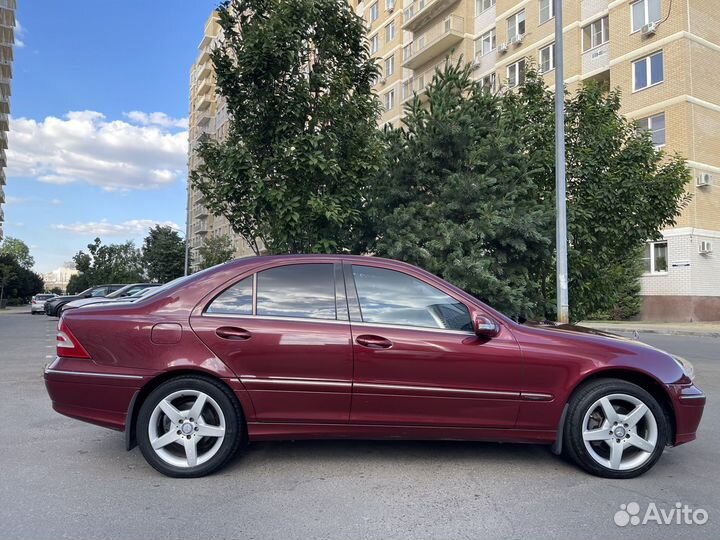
x,y
97,142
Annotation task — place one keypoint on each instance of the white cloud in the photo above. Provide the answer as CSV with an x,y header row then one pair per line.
x,y
156,119
134,227
19,33
84,146
56,202
11,199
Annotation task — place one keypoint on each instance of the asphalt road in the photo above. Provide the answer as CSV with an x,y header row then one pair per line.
x,y
60,478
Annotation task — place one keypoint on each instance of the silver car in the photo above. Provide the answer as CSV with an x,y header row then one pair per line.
x,y
37,304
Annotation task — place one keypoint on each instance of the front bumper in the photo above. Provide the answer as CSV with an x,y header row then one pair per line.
x,y
688,404
79,389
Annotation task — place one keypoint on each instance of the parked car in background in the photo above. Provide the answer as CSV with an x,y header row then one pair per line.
x,y
123,294
294,347
52,306
37,303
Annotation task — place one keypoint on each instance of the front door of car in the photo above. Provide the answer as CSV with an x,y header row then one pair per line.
x,y
418,360
285,332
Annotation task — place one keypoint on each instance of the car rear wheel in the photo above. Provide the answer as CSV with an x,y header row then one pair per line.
x,y
615,429
189,427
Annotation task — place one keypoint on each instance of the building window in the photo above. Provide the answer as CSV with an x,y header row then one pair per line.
x,y
374,44
644,12
648,71
547,10
374,12
390,65
486,43
656,126
516,26
389,5
547,58
516,73
390,32
655,259
596,33
389,100
482,5
488,83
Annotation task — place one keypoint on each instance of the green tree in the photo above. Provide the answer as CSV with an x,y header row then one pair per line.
x,y
297,78
19,250
470,195
56,290
215,250
458,199
7,274
17,283
111,263
163,254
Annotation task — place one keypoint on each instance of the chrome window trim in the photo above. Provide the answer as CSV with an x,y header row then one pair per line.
x,y
274,318
92,374
406,327
499,393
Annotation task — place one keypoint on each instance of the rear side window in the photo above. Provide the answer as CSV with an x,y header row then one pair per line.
x,y
298,290
390,297
237,300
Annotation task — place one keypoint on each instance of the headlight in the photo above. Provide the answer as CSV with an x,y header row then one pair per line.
x,y
686,366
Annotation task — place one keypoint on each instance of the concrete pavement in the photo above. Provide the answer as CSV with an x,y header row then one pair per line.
x,y
61,478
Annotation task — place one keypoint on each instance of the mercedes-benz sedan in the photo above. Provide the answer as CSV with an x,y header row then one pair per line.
x,y
297,347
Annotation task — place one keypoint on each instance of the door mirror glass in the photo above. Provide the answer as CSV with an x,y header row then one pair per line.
x,y
485,327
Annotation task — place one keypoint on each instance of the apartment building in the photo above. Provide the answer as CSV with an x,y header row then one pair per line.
x,y
7,40
663,54
208,116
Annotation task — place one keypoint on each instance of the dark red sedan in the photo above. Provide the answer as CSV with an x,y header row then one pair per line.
x,y
300,347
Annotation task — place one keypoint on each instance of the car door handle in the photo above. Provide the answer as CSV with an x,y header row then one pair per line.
x,y
235,334
373,342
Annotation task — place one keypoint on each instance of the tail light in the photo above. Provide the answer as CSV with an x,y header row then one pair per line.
x,y
67,344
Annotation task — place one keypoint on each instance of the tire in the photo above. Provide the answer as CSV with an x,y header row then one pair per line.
x,y
215,434
623,441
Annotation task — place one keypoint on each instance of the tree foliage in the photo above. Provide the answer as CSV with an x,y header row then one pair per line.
x,y
18,250
106,263
302,145
215,250
470,194
17,283
163,254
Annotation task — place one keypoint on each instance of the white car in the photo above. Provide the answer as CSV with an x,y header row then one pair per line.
x,y
37,304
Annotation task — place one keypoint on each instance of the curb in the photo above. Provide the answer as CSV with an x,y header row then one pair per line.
x,y
661,331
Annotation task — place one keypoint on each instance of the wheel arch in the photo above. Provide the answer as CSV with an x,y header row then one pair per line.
x,y
142,394
642,379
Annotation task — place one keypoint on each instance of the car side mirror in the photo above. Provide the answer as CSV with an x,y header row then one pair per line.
x,y
88,295
485,327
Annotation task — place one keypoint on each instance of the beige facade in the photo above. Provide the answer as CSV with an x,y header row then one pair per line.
x,y
208,115
664,55
7,40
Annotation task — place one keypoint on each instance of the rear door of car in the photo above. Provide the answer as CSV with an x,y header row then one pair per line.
x,y
284,331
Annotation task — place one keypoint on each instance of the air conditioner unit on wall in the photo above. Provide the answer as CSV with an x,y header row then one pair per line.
x,y
649,29
502,48
391,7
383,80
705,247
704,179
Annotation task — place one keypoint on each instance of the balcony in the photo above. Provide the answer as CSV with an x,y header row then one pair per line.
x,y
420,12
205,86
596,59
3,159
435,41
201,227
204,102
417,84
200,211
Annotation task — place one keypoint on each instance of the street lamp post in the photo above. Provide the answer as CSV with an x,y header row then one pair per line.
x,y
563,308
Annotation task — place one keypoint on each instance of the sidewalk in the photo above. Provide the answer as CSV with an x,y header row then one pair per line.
x,y
706,329
15,310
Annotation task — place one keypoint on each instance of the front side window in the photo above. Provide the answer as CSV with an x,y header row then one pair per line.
x,y
236,300
645,12
390,297
596,33
656,126
546,10
102,291
547,58
516,74
655,259
516,26
648,71
297,290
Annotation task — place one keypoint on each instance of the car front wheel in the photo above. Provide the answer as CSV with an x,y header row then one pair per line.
x,y
189,427
615,429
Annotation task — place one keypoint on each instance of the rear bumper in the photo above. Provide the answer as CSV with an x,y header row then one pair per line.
x,y
689,404
79,390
